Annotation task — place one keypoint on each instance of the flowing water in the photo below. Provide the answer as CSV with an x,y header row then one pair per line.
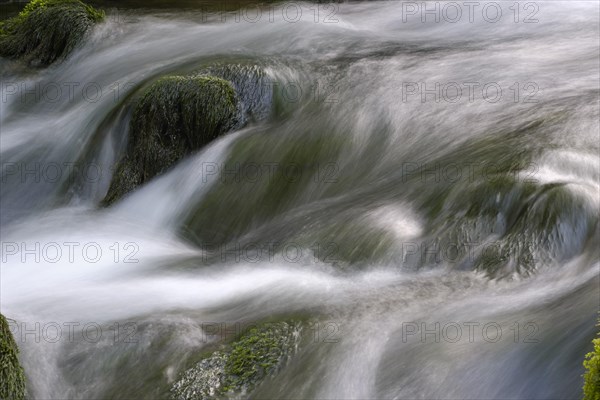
x,y
440,246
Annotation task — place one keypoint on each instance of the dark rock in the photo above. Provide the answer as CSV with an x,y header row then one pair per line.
x,y
176,116
12,377
252,86
46,30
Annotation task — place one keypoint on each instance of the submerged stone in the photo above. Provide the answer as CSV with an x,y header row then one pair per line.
x,y
263,176
506,225
175,116
47,30
12,377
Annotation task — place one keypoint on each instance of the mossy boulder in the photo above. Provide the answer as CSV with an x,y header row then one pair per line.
x,y
47,30
591,386
252,86
239,367
175,116
12,377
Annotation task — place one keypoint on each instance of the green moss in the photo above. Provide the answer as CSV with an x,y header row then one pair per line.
x,y
591,386
47,30
95,15
239,367
255,355
176,116
12,377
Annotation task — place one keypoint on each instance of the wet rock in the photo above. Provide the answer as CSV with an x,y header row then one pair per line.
x,y
12,377
252,86
47,30
240,366
176,116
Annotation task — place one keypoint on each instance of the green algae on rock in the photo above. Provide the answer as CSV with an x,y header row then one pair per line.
x,y
175,116
240,366
12,377
591,385
47,30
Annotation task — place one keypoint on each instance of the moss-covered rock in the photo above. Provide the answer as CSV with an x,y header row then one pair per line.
x,y
176,116
12,377
240,366
46,30
252,86
591,386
